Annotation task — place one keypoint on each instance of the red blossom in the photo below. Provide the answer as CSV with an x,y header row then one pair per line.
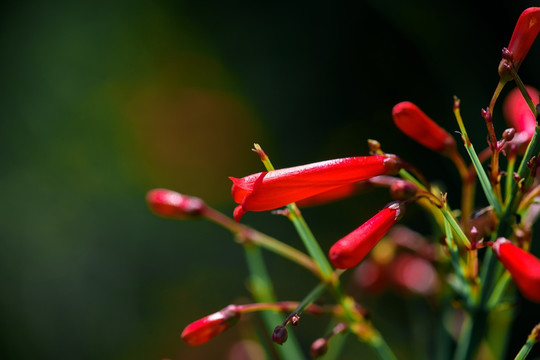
x,y
525,32
523,266
519,116
332,195
351,249
203,330
417,125
273,189
170,204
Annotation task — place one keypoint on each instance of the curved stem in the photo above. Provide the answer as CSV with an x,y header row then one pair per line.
x,y
248,234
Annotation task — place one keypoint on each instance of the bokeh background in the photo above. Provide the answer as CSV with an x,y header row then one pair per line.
x,y
104,100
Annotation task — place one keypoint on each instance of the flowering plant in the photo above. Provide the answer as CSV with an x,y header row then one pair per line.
x,y
484,253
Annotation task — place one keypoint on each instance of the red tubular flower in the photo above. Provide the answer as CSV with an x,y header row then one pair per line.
x,y
170,204
351,249
523,266
525,32
273,189
202,330
418,126
519,116
332,195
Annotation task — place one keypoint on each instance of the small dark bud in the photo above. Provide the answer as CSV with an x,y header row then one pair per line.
x,y
374,146
319,347
403,190
508,134
507,54
295,319
280,335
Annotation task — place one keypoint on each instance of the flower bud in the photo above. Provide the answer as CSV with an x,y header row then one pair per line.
x,y
280,335
523,266
319,347
525,32
170,204
421,128
351,249
202,330
403,189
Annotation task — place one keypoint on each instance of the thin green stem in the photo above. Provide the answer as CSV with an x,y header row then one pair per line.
x,y
245,233
482,176
455,226
262,290
523,90
311,244
310,298
464,288
496,94
525,350
509,178
381,347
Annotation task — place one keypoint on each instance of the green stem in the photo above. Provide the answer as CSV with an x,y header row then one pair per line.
x,y
523,90
262,290
522,354
247,234
311,244
464,287
381,347
509,178
455,226
310,298
482,176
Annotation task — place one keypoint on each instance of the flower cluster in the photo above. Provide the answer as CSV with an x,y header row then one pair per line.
x,y
473,257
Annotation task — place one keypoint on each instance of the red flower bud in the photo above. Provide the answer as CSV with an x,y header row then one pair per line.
x,y
523,266
202,330
418,126
525,32
351,249
519,116
273,189
170,204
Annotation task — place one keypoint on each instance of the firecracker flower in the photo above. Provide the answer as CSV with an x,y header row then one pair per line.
x,y
525,32
518,114
349,251
418,126
523,266
170,204
273,189
203,330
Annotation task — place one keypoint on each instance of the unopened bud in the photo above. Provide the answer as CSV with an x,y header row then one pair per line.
x,y
374,146
280,335
522,265
508,134
319,347
403,189
170,204
418,126
295,319
347,252
203,330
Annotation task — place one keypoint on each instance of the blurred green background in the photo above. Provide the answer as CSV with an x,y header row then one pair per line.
x,y
102,101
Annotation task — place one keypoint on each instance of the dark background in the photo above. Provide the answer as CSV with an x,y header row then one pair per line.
x,y
102,101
